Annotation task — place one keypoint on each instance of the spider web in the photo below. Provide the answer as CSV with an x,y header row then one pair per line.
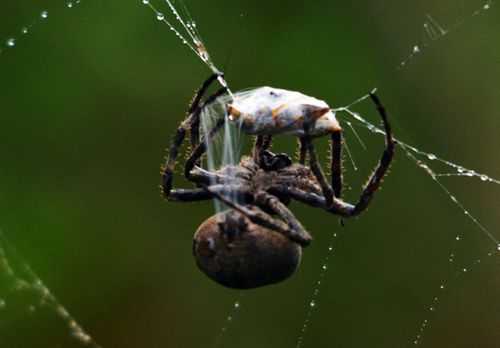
x,y
433,32
30,296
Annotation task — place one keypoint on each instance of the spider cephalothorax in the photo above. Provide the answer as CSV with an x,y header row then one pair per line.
x,y
260,187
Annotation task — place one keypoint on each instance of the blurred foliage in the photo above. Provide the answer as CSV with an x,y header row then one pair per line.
x,y
91,97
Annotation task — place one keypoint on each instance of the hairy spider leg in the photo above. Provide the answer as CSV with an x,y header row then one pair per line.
x,y
203,193
327,190
200,150
191,122
297,232
302,151
329,201
335,159
385,161
168,168
291,228
195,123
336,163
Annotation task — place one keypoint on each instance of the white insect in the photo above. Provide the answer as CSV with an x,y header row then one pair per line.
x,y
267,110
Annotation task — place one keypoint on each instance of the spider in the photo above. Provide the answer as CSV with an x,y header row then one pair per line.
x,y
259,189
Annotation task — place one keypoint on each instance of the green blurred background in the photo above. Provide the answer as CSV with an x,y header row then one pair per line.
x,y
90,98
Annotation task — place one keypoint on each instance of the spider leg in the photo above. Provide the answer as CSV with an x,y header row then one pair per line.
x,y
201,148
336,162
302,151
297,231
336,205
314,163
261,218
189,195
318,171
200,92
203,176
209,192
168,168
196,112
377,176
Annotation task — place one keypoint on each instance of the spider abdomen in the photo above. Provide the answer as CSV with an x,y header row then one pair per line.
x,y
237,253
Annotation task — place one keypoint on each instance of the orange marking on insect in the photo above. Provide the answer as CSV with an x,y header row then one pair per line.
x,y
233,112
335,129
275,112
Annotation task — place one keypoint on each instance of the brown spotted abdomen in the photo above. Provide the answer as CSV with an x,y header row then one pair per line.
x,y
239,254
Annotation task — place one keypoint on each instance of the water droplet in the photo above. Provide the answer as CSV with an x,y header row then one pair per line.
x,y
24,30
145,2
160,16
69,4
441,286
484,177
431,156
11,42
44,14
62,311
464,270
312,303
415,342
416,49
431,309
229,318
82,337
324,267
498,247
460,169
330,248
236,305
2,303
486,6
